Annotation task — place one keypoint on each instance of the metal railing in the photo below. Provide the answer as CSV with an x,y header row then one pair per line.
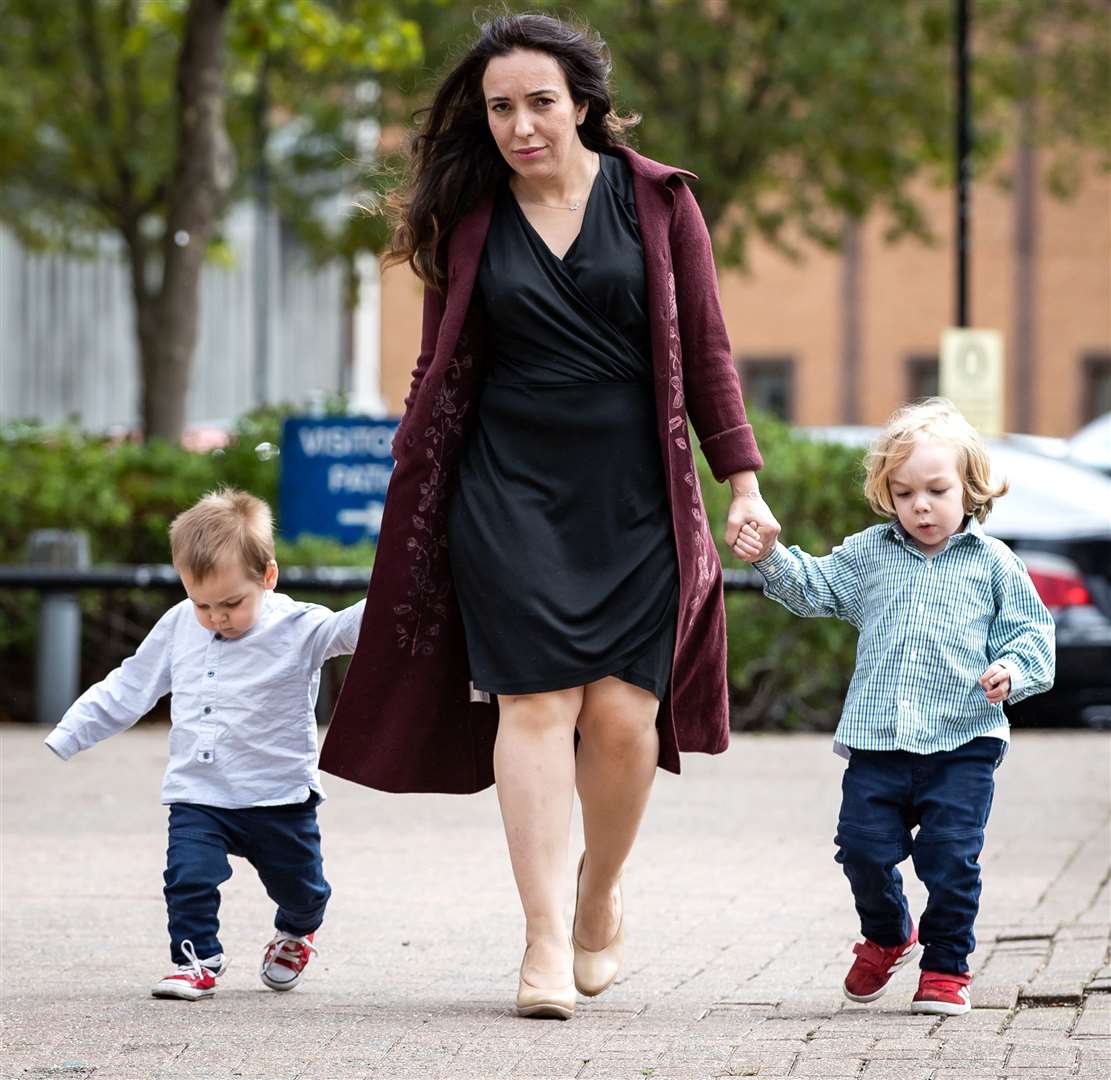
x,y
59,569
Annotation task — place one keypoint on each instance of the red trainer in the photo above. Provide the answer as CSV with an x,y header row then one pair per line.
x,y
194,979
874,965
285,958
942,994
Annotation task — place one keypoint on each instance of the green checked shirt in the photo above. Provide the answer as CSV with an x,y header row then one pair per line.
x,y
929,628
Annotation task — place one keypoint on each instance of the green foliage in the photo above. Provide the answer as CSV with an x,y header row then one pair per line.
x,y
798,115
88,112
124,495
786,671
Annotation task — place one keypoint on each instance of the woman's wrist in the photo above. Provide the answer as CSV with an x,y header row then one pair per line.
x,y
744,485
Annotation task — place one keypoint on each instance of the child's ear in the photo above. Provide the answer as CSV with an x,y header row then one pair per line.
x,y
270,578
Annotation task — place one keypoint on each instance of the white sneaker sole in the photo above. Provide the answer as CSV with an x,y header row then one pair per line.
x,y
863,999
940,1008
183,993
275,985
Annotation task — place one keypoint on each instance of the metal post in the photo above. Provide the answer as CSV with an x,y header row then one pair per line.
x,y
58,664
262,248
964,158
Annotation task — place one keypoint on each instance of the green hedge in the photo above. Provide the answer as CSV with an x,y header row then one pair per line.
x,y
788,672
785,671
124,495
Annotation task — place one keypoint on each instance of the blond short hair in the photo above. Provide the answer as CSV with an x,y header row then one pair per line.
x,y
935,418
225,524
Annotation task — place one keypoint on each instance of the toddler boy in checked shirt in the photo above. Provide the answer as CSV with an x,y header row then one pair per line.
x,y
243,664
950,628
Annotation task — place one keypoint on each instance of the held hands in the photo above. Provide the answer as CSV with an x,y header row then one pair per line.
x,y
750,529
996,682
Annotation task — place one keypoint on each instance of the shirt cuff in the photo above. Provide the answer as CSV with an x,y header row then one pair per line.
x,y
775,563
1017,681
62,743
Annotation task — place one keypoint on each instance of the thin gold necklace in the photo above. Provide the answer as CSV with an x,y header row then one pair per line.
x,y
577,202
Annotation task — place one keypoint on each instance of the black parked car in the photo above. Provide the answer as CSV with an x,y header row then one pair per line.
x,y
1057,518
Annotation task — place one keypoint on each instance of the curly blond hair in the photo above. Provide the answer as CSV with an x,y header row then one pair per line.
x,y
225,523
934,418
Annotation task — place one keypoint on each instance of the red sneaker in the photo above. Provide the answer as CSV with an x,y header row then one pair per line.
x,y
194,979
942,994
285,958
874,965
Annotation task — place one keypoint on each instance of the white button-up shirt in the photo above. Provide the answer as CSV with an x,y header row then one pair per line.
x,y
243,725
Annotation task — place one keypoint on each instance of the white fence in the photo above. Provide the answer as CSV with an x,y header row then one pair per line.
x,y
67,340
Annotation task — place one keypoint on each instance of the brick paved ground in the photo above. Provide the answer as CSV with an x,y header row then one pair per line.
x,y
739,931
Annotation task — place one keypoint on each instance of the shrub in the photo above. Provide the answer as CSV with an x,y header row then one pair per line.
x,y
123,495
785,671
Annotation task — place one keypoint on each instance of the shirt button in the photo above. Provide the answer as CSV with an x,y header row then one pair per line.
x,y
921,607
212,674
207,709
905,704
913,656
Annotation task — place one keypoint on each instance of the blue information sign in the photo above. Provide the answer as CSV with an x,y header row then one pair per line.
x,y
334,473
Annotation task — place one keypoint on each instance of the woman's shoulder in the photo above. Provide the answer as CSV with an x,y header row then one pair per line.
x,y
650,169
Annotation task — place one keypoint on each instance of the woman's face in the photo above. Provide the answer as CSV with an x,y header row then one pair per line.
x,y
531,114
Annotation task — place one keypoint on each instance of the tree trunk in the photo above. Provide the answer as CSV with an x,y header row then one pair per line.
x,y
167,317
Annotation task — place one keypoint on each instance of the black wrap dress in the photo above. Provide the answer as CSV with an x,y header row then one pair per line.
x,y
560,534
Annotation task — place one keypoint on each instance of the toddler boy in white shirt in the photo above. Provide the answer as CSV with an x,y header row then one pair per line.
x,y
243,663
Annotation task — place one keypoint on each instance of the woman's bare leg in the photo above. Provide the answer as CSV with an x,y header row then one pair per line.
x,y
618,751
534,766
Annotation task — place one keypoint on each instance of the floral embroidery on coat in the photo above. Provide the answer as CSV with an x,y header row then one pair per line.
x,y
677,430
421,618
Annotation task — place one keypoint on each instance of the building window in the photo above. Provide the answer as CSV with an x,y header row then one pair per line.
x,y
922,377
769,384
1096,386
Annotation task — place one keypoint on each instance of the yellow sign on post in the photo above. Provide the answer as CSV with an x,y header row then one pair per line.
x,y
971,376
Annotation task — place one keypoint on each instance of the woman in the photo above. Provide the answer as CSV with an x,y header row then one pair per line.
x,y
545,564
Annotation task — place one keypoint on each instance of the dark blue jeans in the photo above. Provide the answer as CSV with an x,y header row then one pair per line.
x,y
281,842
887,793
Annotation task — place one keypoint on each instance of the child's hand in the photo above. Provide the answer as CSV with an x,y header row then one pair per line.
x,y
748,544
996,681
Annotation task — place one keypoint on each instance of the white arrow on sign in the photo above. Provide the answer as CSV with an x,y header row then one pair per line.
x,y
369,518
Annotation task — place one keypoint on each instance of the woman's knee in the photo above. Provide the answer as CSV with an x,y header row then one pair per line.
x,y
547,713
618,720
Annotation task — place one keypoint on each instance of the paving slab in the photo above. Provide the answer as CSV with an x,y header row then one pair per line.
x,y
739,931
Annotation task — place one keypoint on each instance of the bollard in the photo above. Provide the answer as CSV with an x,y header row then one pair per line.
x,y
58,665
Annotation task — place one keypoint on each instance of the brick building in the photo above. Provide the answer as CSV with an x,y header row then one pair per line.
x,y
844,337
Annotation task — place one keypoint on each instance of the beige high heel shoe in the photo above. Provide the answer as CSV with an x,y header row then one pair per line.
x,y
595,970
544,1002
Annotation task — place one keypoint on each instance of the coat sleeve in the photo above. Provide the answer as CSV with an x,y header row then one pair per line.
x,y
434,304
710,383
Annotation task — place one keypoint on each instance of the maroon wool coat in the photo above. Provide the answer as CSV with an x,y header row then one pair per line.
x,y
405,719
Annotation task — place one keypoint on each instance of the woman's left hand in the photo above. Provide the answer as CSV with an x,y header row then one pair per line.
x,y
750,529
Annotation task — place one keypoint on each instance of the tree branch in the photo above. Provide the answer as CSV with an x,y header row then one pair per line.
x,y
102,101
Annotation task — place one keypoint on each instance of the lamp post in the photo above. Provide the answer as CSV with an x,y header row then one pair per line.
x,y
964,158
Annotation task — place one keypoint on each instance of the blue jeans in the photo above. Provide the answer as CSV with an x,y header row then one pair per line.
x,y
947,795
281,842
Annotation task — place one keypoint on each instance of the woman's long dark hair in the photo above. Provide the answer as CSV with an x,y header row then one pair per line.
x,y
453,156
